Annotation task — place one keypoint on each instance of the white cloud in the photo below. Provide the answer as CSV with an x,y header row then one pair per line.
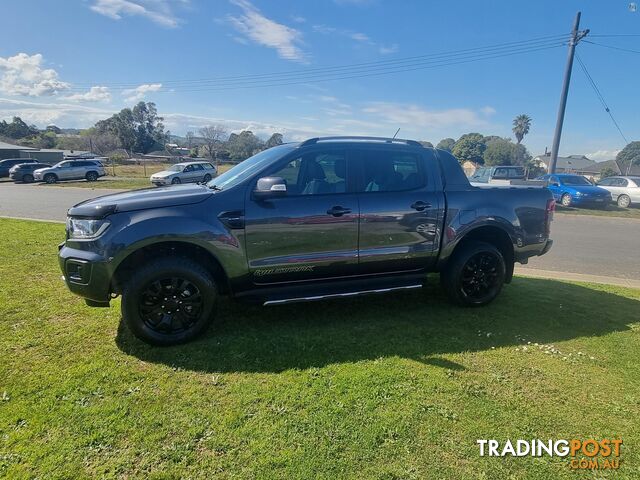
x,y
359,37
603,155
138,93
416,116
23,74
94,94
264,31
386,50
158,11
42,114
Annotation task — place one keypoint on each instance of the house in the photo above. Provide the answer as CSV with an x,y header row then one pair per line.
x,y
8,150
578,164
619,168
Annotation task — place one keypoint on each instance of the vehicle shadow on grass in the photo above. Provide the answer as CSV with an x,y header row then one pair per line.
x,y
418,325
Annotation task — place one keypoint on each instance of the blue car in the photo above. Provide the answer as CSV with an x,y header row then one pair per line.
x,y
575,191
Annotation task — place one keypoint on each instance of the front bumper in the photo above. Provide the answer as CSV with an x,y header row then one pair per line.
x,y
595,201
86,274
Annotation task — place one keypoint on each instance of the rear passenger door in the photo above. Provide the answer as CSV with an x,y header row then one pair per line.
x,y
400,201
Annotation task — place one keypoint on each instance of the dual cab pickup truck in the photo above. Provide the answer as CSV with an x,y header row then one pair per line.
x,y
328,217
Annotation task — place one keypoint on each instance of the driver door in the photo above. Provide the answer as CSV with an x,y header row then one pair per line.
x,y
311,232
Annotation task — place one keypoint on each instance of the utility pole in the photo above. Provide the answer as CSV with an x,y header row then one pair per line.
x,y
576,36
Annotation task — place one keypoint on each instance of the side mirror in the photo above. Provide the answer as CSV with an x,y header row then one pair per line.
x,y
270,187
554,184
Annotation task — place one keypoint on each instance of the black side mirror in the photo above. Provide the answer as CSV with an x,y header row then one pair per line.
x,y
270,187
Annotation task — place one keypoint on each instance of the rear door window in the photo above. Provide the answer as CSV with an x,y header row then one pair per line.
x,y
390,171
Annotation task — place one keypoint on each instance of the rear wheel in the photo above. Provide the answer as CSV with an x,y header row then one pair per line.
x,y
624,201
207,178
50,178
566,200
176,181
91,176
169,301
27,178
475,274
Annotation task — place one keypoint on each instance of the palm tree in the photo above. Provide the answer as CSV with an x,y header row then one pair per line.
x,y
521,125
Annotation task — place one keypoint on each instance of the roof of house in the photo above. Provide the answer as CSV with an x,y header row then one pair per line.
x,y
572,162
10,146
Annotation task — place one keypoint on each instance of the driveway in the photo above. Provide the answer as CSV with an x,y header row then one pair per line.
x,y
583,244
42,202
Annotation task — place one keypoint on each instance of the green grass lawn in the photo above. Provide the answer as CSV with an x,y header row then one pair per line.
x,y
390,387
609,211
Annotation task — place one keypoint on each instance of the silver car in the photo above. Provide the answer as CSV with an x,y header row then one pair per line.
x,y
90,170
184,173
625,191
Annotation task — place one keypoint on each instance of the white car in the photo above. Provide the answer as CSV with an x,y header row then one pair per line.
x,y
185,173
625,191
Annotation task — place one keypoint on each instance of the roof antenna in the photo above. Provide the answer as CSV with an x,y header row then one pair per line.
x,y
394,135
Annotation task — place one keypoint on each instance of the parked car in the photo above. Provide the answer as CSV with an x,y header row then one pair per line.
x,y
625,191
575,190
326,218
184,173
501,172
90,170
8,163
23,172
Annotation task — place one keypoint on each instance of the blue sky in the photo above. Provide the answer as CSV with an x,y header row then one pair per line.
x,y
74,62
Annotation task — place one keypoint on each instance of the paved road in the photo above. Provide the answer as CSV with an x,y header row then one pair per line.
x,y
582,244
43,202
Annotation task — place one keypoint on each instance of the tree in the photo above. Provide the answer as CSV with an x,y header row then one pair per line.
x,y
17,129
607,172
470,146
446,144
502,151
629,155
521,126
54,129
139,129
213,136
243,145
275,139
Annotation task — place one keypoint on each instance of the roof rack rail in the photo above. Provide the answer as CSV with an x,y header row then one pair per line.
x,y
315,140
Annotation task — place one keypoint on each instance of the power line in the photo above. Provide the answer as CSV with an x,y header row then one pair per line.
x,y
550,40
599,95
613,47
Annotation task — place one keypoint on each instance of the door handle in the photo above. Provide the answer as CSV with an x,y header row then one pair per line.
x,y
338,211
420,205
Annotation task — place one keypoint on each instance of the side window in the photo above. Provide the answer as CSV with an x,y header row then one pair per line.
x,y
388,171
315,173
188,168
197,166
207,166
553,179
607,182
501,173
622,182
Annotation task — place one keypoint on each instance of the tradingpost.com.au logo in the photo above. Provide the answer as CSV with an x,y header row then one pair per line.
x,y
584,454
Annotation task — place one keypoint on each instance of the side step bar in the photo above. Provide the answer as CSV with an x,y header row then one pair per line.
x,y
340,295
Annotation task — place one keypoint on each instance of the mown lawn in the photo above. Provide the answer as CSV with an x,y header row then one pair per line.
x,y
394,387
608,211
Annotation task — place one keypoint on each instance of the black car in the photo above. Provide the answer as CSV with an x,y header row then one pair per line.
x,y
329,217
8,163
23,172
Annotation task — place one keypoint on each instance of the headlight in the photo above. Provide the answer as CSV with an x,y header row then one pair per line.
x,y
84,228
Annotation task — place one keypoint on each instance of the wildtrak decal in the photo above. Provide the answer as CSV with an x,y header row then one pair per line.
x,y
275,271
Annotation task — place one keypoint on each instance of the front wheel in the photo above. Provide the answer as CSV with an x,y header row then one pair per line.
x,y
176,181
624,201
566,200
50,178
169,301
475,274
